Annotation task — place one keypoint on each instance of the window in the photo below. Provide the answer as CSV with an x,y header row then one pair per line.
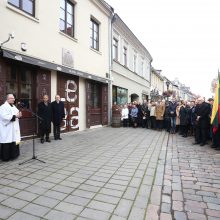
x,y
95,95
20,83
115,49
67,17
125,50
94,34
142,68
119,95
27,6
135,63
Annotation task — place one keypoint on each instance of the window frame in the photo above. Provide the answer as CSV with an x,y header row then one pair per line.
x,y
65,21
115,49
20,7
125,56
92,37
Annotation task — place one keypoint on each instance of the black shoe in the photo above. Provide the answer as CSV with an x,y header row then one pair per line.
x,y
217,148
184,136
42,141
59,138
195,143
202,144
213,146
48,140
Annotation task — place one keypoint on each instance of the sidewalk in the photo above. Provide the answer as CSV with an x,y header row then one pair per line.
x,y
113,173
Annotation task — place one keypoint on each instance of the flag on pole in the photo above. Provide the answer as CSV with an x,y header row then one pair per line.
x,y
215,119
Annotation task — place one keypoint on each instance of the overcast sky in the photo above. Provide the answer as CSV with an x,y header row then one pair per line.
x,y
182,36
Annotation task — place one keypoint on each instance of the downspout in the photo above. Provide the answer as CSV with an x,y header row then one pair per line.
x,y
111,20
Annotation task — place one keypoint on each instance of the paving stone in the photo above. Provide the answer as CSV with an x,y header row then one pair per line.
x,y
14,203
123,208
69,208
23,216
107,199
77,200
26,196
213,213
152,212
55,195
35,210
130,193
102,206
5,212
165,216
95,214
58,215
180,215
136,213
46,201
177,195
196,216
166,208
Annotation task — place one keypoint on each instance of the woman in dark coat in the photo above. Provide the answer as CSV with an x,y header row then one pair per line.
x,y
44,112
184,118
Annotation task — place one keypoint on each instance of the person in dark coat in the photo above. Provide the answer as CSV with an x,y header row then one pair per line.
x,y
44,112
172,113
167,118
57,116
202,113
145,114
184,118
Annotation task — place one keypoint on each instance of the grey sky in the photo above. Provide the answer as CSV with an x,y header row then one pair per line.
x,y
183,37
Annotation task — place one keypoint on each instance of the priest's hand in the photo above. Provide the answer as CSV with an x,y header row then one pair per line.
x,y
19,115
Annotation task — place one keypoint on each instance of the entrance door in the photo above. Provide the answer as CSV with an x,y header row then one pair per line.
x,y
96,103
67,88
21,82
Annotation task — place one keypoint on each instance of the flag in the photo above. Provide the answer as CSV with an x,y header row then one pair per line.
x,y
215,119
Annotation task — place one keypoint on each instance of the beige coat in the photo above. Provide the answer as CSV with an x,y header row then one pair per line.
x,y
160,109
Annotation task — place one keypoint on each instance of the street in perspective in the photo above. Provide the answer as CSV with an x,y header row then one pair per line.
x,y
113,173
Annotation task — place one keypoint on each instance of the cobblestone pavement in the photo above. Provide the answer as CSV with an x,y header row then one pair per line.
x,y
113,173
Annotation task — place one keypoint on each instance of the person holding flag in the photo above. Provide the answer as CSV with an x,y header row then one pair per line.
x,y
215,118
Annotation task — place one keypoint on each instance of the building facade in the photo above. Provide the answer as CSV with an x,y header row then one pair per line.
x,y
157,85
131,65
57,47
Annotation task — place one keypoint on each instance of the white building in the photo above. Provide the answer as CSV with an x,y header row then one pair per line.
x,y
58,47
131,65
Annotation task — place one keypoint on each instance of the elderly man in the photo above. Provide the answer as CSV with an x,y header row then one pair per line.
x,y
58,114
9,129
202,112
45,113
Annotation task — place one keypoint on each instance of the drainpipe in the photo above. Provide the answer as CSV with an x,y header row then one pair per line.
x,y
111,20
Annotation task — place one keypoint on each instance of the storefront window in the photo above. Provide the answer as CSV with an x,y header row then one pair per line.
x,y
120,95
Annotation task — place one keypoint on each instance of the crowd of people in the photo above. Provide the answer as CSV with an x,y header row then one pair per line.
x,y
186,118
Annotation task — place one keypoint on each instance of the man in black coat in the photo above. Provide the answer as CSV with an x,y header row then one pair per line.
x,y
202,112
57,116
44,112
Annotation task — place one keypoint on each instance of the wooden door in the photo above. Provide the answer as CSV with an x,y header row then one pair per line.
x,y
96,103
68,89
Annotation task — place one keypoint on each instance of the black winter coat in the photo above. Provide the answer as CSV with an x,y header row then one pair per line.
x,y
184,115
57,112
203,110
44,111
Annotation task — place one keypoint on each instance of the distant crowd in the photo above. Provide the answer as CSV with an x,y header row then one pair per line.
x,y
186,118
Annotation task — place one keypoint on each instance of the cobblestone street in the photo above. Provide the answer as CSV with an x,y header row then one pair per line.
x,y
113,173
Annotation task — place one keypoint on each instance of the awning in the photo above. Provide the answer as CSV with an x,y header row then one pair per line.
x,y
52,66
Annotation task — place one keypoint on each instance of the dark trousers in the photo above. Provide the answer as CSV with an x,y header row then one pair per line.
x,y
56,131
159,124
201,134
216,139
43,133
167,124
9,151
125,122
153,122
145,123
184,129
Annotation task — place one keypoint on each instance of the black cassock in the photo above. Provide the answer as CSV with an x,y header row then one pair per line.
x,y
44,112
57,116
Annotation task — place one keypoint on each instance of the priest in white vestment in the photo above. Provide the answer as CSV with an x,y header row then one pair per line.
x,y
9,129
